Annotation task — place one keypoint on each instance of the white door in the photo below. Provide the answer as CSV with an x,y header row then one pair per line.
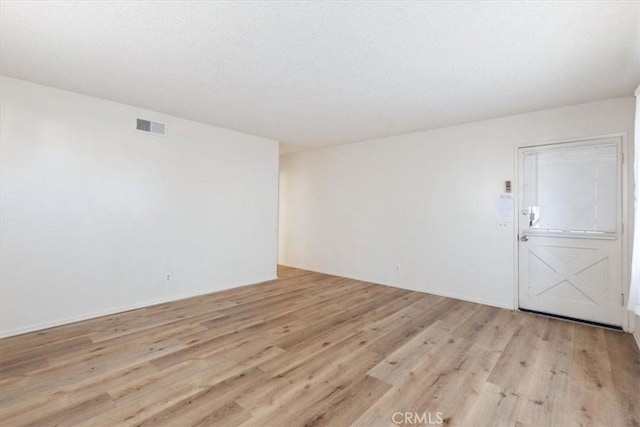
x,y
570,246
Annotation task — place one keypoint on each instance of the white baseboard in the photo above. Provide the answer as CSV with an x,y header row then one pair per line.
x,y
460,297
121,309
409,288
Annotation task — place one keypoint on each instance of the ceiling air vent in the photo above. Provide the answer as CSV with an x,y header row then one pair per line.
x,y
154,128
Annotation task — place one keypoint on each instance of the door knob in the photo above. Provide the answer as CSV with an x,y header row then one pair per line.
x,y
524,238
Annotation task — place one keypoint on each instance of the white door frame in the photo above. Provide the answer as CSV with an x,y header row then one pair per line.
x,y
627,213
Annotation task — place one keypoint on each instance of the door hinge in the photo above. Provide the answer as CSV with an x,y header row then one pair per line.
x,y
622,228
622,156
622,299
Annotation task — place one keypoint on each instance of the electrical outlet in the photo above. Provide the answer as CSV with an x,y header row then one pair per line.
x,y
502,225
397,267
168,276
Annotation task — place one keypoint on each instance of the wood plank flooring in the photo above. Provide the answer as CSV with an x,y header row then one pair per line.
x,y
309,350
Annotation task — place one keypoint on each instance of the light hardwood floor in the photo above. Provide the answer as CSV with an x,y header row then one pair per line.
x,y
311,349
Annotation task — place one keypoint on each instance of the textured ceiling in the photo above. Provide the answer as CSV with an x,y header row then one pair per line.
x,y
312,74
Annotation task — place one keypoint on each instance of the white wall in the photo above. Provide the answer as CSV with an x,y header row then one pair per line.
x,y
94,215
423,201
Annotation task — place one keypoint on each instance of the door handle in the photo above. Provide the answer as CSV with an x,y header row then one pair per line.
x,y
524,238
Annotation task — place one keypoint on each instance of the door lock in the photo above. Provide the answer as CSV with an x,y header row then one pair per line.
x,y
524,238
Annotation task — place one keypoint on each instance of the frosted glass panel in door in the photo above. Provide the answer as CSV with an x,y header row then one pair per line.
x,y
572,189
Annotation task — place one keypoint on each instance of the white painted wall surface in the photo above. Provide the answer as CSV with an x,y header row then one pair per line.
x,y
423,201
94,214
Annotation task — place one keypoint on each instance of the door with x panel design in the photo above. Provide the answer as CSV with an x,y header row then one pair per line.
x,y
570,246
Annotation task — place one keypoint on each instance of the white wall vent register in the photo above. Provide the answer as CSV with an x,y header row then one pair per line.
x,y
147,126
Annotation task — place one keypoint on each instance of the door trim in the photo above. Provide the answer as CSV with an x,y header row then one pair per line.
x,y
626,212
